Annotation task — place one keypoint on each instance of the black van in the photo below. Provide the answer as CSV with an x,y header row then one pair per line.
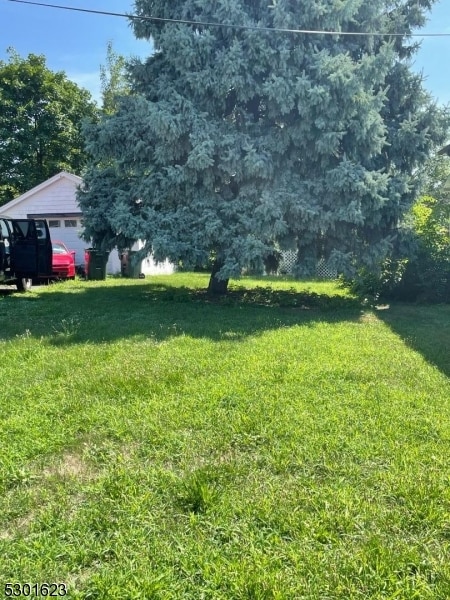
x,y
25,252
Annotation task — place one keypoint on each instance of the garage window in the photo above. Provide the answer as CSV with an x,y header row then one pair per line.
x,y
70,223
54,223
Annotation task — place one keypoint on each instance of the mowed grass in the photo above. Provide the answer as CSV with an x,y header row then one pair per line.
x,y
282,443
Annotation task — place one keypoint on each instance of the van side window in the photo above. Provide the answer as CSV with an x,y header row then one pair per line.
x,y
4,232
24,230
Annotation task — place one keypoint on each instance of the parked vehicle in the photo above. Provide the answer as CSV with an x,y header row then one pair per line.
x,y
63,261
25,252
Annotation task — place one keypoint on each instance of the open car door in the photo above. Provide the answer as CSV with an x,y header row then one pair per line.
x,y
44,249
31,248
25,251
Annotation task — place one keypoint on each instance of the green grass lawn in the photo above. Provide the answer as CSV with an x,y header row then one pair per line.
x,y
282,443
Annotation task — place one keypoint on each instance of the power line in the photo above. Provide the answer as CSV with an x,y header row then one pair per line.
x,y
229,25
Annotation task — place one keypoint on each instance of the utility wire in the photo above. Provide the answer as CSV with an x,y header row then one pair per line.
x,y
231,26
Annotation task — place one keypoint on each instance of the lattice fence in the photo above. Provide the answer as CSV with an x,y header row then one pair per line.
x,y
289,258
287,262
324,271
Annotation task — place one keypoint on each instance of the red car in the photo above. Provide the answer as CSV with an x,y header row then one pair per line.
x,y
63,261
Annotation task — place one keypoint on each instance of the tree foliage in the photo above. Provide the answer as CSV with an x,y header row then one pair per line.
x,y
40,124
113,79
428,225
427,275
436,173
238,142
422,271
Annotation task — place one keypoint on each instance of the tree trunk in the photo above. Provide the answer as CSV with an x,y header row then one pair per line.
x,y
217,286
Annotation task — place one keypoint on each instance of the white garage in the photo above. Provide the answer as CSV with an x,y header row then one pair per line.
x,y
55,200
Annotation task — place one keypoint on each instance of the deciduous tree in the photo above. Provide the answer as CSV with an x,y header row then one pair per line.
x,y
114,79
40,124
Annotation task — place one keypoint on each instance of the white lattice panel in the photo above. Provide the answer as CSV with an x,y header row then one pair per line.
x,y
324,271
287,262
289,258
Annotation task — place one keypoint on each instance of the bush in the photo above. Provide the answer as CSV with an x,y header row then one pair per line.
x,y
422,274
427,275
426,278
377,286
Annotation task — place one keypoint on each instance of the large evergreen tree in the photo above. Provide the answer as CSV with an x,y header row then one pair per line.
x,y
40,124
238,141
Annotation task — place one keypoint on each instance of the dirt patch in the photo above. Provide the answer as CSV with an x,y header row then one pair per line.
x,y
69,466
5,536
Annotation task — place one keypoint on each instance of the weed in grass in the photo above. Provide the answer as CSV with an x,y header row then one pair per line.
x,y
68,326
13,476
197,492
255,588
25,335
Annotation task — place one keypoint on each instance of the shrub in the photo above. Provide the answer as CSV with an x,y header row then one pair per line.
x,y
422,271
427,274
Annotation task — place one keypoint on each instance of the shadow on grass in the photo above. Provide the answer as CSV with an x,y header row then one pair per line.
x,y
424,328
100,314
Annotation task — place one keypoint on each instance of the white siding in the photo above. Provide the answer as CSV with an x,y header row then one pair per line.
x,y
113,264
150,267
58,196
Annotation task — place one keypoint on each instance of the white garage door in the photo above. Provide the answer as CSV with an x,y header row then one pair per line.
x,y
67,230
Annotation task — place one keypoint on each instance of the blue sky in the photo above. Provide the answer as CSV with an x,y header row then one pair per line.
x,y
76,42
71,41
